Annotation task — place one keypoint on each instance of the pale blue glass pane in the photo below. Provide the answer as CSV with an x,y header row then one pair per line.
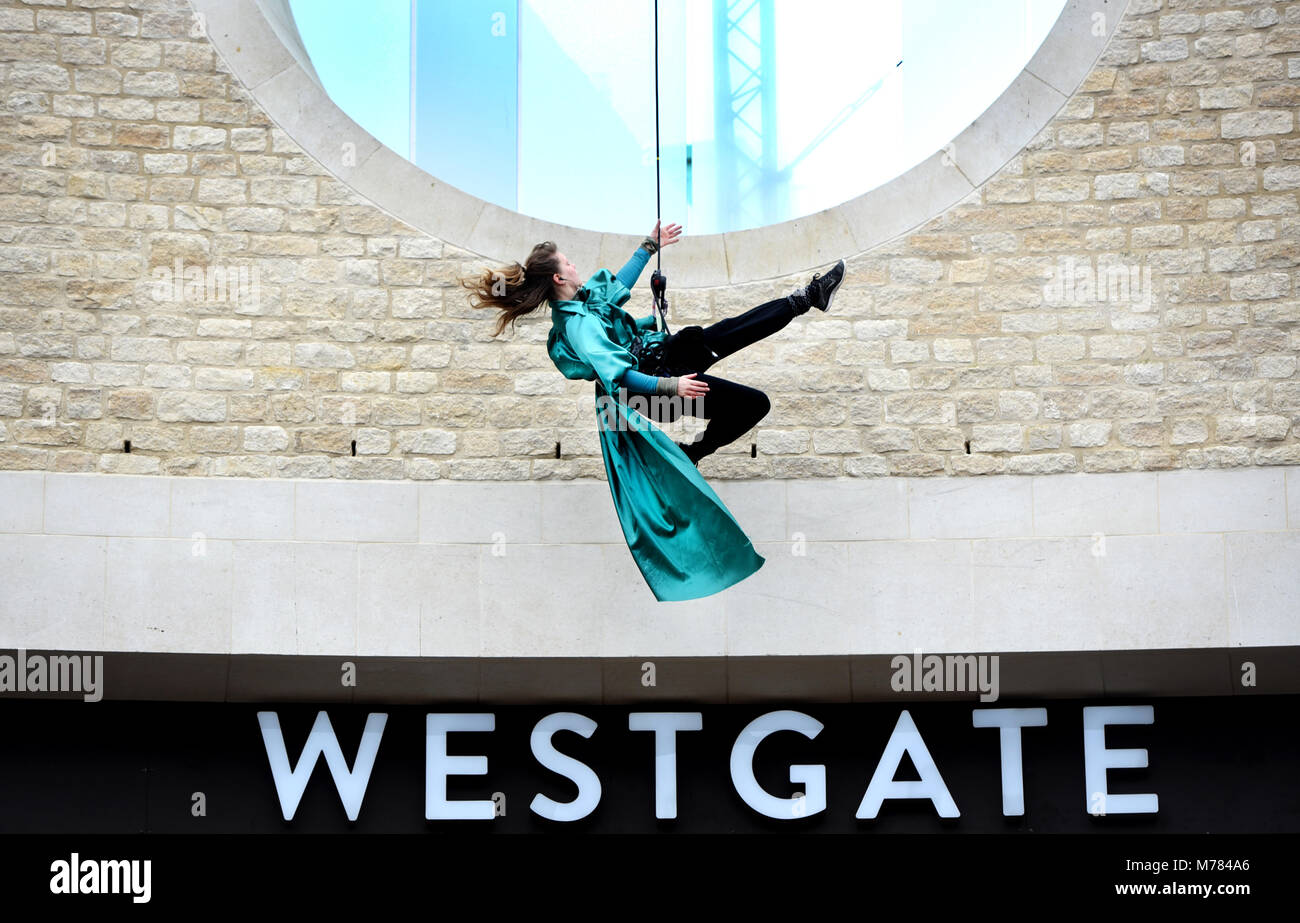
x,y
587,114
363,62
465,119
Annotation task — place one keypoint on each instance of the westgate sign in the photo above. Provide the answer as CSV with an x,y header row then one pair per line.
x,y
291,780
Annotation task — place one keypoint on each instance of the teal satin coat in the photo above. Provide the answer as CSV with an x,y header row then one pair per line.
x,y
682,537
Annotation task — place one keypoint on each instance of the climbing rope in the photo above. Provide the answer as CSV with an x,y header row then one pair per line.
x,y
658,281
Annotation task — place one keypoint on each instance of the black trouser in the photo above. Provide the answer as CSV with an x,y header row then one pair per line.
x,y
732,409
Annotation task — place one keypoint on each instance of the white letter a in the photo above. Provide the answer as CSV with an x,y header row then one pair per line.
x,y
906,739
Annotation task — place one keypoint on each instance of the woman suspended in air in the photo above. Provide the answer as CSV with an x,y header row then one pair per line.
x,y
682,537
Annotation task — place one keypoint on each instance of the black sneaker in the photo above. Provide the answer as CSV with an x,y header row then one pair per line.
x,y
822,287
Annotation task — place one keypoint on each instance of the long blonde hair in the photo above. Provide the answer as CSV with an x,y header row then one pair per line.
x,y
515,289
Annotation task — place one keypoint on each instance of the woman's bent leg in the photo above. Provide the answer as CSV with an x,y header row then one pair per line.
x,y
732,410
735,333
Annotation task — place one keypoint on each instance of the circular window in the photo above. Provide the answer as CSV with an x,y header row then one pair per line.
x,y
768,110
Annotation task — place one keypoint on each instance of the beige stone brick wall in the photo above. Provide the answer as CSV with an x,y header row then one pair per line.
x,y
973,345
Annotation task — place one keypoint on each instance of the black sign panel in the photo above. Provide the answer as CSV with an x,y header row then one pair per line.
x,y
1223,765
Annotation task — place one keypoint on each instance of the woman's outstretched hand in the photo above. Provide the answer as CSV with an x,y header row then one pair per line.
x,y
687,386
671,234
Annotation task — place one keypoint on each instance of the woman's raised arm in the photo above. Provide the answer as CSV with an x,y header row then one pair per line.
x,y
631,270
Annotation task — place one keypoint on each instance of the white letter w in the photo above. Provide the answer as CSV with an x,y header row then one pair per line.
x,y
290,783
